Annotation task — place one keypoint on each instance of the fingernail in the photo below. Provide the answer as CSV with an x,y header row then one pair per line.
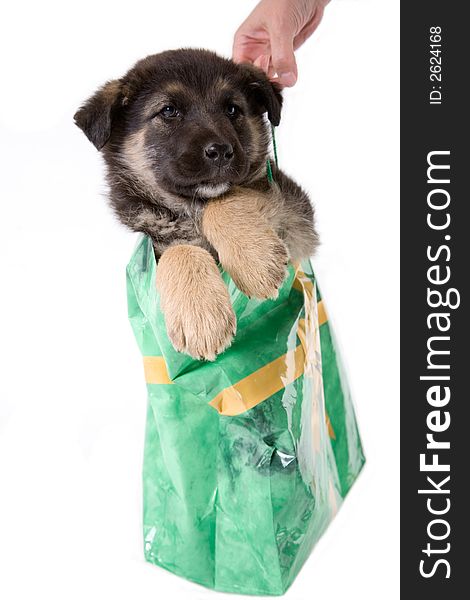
x,y
287,79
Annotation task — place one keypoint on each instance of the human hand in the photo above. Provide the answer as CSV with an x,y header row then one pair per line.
x,y
273,31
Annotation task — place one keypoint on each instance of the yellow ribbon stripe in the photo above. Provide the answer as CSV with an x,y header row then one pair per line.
x,y
155,370
263,383
266,381
254,388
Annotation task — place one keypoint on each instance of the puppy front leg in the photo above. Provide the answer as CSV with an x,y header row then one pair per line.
x,y
248,248
195,302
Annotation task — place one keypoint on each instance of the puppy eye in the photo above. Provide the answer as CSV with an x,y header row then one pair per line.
x,y
169,112
232,111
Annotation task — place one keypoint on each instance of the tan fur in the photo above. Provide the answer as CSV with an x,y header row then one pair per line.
x,y
258,132
195,301
249,250
135,154
296,229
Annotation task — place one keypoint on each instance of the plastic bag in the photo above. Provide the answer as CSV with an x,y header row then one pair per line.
x,y
247,458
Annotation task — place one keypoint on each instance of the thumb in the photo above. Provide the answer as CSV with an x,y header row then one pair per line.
x,y
282,56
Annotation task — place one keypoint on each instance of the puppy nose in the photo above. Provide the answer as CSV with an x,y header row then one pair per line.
x,y
220,154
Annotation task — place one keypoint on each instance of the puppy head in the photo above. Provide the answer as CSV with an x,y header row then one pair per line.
x,y
184,122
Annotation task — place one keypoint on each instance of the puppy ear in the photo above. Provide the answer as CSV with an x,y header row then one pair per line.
x,y
95,117
266,94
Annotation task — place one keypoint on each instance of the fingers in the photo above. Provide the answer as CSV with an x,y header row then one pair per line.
x,y
253,52
282,56
280,65
263,62
271,34
240,50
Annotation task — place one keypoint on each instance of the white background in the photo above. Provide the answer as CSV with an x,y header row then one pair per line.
x,y
72,391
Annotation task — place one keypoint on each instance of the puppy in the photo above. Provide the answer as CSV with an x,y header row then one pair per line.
x,y
186,143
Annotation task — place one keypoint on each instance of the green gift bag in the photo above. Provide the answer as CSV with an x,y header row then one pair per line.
x,y
247,458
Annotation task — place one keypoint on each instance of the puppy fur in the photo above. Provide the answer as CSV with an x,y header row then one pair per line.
x,y
185,142
208,330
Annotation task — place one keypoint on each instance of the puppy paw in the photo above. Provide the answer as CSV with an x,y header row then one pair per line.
x,y
203,329
259,268
239,229
198,314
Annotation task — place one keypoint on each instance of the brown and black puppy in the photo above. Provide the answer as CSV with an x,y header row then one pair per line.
x,y
185,142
